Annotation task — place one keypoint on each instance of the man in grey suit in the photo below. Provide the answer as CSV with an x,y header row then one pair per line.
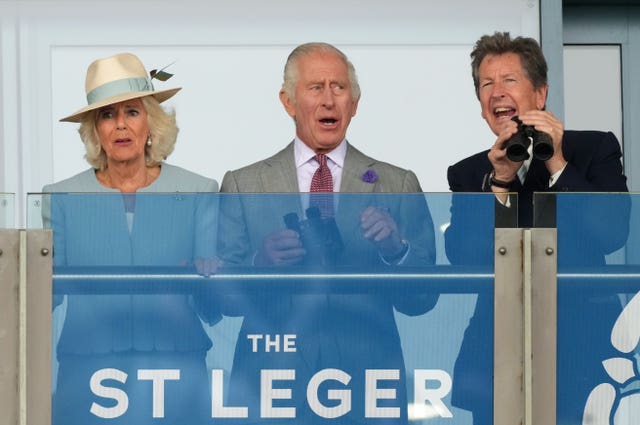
x,y
343,331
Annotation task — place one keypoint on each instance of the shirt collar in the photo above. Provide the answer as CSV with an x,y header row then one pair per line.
x,y
303,153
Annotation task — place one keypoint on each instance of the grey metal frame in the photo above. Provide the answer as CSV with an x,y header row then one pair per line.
x,y
543,296
37,270
25,326
9,325
525,327
508,347
551,27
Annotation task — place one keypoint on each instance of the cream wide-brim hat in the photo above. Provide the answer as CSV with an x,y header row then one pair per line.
x,y
115,79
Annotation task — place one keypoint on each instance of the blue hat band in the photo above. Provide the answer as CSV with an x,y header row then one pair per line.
x,y
114,88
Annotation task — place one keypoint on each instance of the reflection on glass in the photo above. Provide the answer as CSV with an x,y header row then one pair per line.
x,y
333,331
111,347
35,210
349,336
597,279
6,211
470,242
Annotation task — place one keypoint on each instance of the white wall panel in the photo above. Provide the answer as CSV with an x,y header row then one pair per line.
x,y
9,171
418,107
588,105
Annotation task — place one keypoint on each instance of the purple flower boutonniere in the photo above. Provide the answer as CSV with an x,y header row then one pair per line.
x,y
369,176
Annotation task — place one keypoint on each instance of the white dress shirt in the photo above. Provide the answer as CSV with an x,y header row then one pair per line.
x,y
306,166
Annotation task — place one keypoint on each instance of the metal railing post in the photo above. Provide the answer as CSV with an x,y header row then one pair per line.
x,y
36,267
508,390
544,301
9,325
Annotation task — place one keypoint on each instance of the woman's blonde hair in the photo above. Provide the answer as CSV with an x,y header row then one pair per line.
x,y
162,127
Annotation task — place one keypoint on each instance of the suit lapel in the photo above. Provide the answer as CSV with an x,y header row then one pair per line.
x,y
349,205
355,165
280,174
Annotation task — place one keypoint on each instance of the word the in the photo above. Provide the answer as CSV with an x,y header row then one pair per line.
x,y
276,343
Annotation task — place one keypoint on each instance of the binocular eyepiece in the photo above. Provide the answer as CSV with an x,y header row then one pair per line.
x,y
518,145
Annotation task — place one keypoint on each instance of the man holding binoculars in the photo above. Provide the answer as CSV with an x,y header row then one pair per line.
x,y
533,153
510,79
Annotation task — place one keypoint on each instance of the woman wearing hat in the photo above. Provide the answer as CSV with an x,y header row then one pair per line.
x,y
106,339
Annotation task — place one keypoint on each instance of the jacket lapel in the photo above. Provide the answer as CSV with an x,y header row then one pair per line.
x,y
280,172
355,165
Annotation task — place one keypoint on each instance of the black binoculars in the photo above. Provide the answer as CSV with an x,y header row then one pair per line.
x,y
320,237
518,145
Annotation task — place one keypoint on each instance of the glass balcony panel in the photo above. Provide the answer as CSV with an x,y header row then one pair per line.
x,y
7,213
598,306
165,306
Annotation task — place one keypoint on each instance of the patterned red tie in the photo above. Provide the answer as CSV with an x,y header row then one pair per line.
x,y
322,181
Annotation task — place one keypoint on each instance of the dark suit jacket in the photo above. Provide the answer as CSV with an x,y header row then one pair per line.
x,y
593,166
346,331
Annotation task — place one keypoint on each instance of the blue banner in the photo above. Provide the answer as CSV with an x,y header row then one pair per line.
x,y
169,309
598,317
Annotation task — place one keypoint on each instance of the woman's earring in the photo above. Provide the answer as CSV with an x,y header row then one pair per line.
x,y
149,140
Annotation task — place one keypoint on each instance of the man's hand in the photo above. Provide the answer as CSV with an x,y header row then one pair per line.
x,y
281,248
207,266
380,228
546,122
503,168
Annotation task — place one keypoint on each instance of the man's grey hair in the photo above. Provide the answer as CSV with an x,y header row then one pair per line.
x,y
291,67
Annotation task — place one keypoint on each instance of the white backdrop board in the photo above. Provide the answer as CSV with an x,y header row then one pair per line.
x,y
418,109
226,125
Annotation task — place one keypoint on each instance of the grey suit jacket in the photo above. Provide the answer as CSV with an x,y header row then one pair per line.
x,y
277,174
351,332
